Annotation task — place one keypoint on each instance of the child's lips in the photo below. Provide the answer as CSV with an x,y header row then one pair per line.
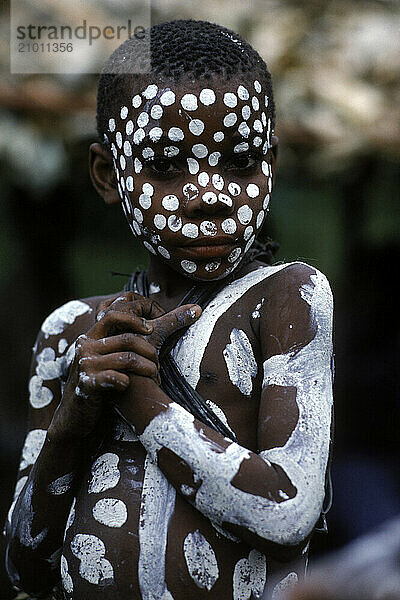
x,y
207,247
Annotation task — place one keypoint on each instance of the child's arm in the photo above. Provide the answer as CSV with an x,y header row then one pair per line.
x,y
274,496
64,420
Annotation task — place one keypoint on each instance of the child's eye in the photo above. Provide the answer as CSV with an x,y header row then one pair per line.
x,y
162,166
242,162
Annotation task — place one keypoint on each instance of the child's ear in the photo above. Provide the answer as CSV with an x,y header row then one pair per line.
x,y
102,173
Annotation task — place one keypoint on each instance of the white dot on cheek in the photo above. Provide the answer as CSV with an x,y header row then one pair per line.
x,y
244,129
248,232
145,201
122,162
230,119
160,221
167,98
257,141
170,151
190,230
218,136
217,181
234,189
174,223
244,214
188,266
255,103
138,136
137,213
246,112
203,178
164,252
147,152
209,198
190,191
193,166
242,147
257,126
266,202
208,228
234,255
124,112
111,125
189,102
260,219
225,199
148,189
214,158
196,126
212,266
228,226
149,247
230,100
252,190
170,202
207,97
200,150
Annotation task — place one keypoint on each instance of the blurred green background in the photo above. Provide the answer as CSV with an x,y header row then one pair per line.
x,y
335,68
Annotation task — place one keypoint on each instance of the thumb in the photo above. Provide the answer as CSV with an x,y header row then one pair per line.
x,y
176,319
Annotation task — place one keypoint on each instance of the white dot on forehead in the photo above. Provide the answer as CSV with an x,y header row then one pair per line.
x,y
242,147
209,198
136,101
148,189
257,126
150,91
155,134
246,112
228,226
244,129
244,214
257,141
164,252
127,149
230,119
207,97
138,136
214,158
138,165
129,183
190,230
257,86
255,103
129,127
252,190
189,266
203,178
124,112
175,134
189,102
196,126
170,151
208,228
147,152
111,125
234,189
193,166
118,139
218,136
170,202
167,98
217,181
156,112
160,221
242,93
142,119
174,223
230,99
200,150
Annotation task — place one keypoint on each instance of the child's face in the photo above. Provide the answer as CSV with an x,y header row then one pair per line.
x,y
193,164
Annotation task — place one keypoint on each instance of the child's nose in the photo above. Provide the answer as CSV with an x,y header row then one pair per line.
x,y
207,200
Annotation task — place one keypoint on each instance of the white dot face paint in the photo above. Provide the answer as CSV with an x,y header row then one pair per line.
x,y
217,181
266,202
174,223
260,219
225,199
208,228
94,567
147,152
257,86
230,119
150,92
196,126
145,201
190,230
255,103
118,139
127,148
149,247
124,112
203,178
244,214
155,133
200,560
170,202
212,266
242,92
167,98
137,213
142,119
213,159
171,151
122,162
207,97
148,189
138,136
246,112
248,232
234,189
160,221
242,147
164,252
230,100
200,150
244,129
188,266
252,190
218,136
110,512
111,125
209,198
176,134
190,191
156,112
189,102
193,166
249,576
129,183
136,101
137,165
257,126
228,226
129,127
234,255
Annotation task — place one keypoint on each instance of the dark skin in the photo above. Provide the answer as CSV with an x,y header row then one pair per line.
x,y
116,363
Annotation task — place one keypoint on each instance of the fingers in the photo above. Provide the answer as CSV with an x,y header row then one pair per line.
x,y
125,342
115,322
129,362
90,385
131,303
176,319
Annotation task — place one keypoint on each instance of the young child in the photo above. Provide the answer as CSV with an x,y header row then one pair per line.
x,y
125,490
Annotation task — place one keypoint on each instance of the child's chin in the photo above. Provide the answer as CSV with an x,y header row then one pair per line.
x,y
202,275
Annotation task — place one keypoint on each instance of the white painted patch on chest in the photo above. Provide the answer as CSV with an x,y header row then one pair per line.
x,y
33,444
249,576
57,321
110,512
94,567
105,473
240,361
200,560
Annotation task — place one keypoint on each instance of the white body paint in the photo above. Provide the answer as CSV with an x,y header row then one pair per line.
x,y
33,444
94,567
281,589
249,576
200,560
105,473
57,321
66,578
157,506
61,485
110,512
240,361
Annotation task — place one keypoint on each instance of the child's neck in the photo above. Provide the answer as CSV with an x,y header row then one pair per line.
x,y
172,285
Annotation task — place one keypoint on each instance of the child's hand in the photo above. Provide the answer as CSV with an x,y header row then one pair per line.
x,y
123,342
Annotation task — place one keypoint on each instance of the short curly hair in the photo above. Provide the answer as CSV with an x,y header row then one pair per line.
x,y
180,49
